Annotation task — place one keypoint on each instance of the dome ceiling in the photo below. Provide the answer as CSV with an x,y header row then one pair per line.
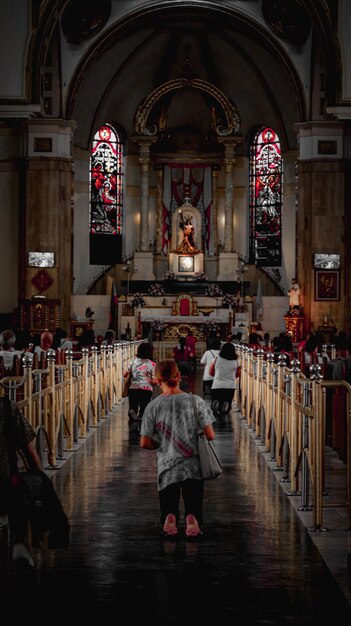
x,y
237,56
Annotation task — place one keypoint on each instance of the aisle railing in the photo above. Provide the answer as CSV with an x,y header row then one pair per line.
x,y
63,402
289,412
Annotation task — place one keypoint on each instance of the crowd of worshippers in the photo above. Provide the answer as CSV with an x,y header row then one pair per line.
x,y
15,345
309,348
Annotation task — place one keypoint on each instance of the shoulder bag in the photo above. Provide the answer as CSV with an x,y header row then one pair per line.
x,y
210,464
211,369
127,382
35,492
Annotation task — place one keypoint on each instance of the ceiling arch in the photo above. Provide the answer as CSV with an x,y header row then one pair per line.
x,y
138,51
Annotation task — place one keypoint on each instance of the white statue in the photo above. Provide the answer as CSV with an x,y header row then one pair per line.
x,y
294,294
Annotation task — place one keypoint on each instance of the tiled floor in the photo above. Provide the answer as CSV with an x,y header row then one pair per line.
x,y
257,563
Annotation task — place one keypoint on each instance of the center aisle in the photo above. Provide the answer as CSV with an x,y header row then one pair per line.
x,y
255,565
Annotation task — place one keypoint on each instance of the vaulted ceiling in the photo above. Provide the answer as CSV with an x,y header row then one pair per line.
x,y
258,58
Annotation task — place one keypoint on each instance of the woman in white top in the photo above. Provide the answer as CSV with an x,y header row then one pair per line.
x,y
224,375
206,360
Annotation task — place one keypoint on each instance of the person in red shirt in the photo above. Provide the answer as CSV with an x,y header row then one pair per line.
x,y
190,342
181,354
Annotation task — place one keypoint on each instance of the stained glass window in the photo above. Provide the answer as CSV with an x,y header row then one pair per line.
x,y
106,178
266,174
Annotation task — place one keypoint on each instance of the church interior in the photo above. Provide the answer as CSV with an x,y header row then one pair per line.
x,y
171,169
124,125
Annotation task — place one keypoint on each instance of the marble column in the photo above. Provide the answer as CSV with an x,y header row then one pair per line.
x,y
228,162
322,211
215,210
144,204
159,211
48,209
228,204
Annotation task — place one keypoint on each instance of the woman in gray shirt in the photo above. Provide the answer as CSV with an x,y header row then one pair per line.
x,y
170,425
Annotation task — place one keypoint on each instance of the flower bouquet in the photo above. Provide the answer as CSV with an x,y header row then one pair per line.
x,y
213,290
138,300
229,300
200,276
209,328
156,290
169,276
157,326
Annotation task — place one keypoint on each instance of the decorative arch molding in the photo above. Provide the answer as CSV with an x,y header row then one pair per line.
x,y
225,119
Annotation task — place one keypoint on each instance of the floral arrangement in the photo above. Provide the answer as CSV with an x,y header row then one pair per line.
x,y
209,327
229,300
156,290
200,276
170,276
213,290
157,326
138,300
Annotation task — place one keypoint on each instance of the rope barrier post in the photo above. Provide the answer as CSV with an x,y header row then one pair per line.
x,y
293,426
263,403
249,390
278,416
305,444
269,398
258,392
273,456
318,456
285,443
51,417
60,436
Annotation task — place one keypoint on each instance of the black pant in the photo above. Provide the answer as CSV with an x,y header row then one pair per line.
x,y
206,386
223,395
192,493
12,504
138,399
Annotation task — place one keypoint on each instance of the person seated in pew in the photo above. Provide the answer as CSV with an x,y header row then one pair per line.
x,y
7,348
46,340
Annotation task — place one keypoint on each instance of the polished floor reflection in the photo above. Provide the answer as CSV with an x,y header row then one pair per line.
x,y
255,565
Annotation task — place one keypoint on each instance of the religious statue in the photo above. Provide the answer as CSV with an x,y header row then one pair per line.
x,y
294,296
187,246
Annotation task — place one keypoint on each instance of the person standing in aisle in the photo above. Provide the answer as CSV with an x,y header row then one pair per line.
x,y
223,369
206,360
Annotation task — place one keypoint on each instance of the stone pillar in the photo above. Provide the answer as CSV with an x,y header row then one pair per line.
x,y
159,211
228,204
215,210
144,204
47,221
228,162
320,215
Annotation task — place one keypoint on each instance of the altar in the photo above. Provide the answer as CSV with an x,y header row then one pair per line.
x,y
174,326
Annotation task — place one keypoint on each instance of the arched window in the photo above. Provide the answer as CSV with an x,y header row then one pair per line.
x,y
266,174
106,195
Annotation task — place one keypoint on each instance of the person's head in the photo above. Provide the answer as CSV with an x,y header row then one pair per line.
x,y
23,339
182,342
7,339
46,339
216,344
109,336
190,333
228,352
144,350
167,372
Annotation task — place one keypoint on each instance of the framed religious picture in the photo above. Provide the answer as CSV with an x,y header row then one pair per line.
x,y
186,263
327,285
